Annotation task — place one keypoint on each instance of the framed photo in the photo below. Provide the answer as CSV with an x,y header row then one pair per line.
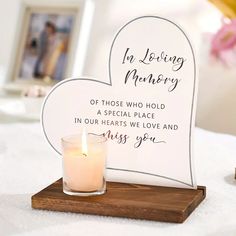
x,y
48,41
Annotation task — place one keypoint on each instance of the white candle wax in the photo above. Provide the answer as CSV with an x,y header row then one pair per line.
x,y
84,173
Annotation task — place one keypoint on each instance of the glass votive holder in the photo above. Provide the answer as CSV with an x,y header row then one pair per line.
x,y
84,164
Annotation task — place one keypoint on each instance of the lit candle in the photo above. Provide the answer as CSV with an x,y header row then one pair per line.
x,y
84,158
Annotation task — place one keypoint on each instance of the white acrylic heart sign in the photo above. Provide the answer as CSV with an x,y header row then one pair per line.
x,y
146,109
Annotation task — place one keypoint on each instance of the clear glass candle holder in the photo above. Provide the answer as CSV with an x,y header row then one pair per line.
x,y
84,164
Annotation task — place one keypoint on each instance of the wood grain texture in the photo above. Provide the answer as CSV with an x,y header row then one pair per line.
x,y
125,200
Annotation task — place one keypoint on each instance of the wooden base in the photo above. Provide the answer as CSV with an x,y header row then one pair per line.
x,y
125,200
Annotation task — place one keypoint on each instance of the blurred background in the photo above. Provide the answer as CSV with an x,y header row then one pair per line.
x,y
50,41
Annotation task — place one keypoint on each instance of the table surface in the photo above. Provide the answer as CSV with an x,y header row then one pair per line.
x,y
27,164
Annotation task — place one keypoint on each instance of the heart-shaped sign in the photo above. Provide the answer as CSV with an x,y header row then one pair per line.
x,y
146,110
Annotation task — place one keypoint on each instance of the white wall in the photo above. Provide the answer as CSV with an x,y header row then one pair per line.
x,y
9,13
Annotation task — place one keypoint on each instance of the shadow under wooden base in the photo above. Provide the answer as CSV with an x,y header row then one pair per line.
x,y
125,200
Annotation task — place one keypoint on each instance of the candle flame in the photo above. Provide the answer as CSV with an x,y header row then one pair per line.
x,y
84,143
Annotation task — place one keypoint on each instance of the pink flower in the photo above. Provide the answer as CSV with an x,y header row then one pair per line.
x,y
224,39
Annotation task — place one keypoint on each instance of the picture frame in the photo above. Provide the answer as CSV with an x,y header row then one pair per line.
x,y
70,24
